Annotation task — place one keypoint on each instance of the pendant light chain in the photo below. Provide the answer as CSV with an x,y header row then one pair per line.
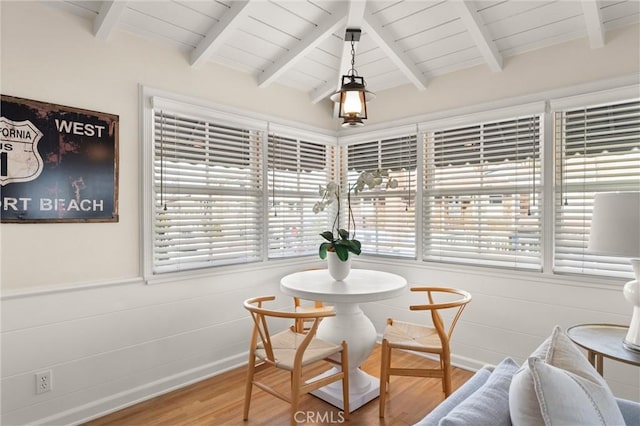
x,y
353,58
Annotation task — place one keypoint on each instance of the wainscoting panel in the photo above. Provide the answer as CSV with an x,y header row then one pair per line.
x,y
109,346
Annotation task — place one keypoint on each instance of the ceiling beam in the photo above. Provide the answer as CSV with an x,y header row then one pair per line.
x,y
355,19
219,33
321,92
323,30
107,18
593,20
385,41
479,34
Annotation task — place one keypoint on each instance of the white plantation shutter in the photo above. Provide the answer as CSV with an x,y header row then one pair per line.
x,y
296,169
207,192
481,202
597,150
385,217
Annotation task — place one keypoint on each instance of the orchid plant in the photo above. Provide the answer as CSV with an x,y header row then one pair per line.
x,y
340,240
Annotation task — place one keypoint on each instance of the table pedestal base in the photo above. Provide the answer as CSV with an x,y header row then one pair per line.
x,y
362,389
351,325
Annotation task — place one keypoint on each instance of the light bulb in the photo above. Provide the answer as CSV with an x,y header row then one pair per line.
x,y
352,103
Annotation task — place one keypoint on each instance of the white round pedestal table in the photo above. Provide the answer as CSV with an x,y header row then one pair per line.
x,y
349,324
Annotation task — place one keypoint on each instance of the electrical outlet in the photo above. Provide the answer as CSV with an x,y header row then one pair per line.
x,y
43,382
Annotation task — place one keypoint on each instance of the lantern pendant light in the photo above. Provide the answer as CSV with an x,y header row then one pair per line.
x,y
352,96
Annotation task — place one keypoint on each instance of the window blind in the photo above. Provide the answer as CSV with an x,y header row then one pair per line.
x,y
597,150
385,217
481,202
207,192
296,170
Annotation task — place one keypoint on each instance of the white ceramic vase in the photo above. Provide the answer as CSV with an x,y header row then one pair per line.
x,y
338,269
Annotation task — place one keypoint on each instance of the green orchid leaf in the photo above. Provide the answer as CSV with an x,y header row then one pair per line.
x,y
344,234
323,250
352,245
327,235
342,252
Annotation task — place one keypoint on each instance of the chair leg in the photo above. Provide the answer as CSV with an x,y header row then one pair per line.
x,y
443,368
247,394
295,394
384,374
345,380
446,379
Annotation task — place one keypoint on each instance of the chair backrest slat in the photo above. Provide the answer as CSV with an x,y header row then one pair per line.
x,y
260,317
435,307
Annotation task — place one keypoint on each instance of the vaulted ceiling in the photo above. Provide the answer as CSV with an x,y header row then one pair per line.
x,y
300,43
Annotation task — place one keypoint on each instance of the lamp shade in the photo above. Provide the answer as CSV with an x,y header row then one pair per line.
x,y
615,224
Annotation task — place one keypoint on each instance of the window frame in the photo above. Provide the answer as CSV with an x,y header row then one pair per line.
x,y
380,194
300,137
574,96
150,98
567,262
482,121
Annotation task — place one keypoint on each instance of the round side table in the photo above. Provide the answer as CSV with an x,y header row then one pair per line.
x,y
603,340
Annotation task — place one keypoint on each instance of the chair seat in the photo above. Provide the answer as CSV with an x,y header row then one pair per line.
x,y
287,342
314,309
406,335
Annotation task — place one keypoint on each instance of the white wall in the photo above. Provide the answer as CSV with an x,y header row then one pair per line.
x,y
73,301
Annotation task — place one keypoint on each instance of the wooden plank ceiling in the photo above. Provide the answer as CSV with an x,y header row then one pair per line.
x,y
299,43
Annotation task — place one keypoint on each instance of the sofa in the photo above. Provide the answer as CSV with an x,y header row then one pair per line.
x,y
555,385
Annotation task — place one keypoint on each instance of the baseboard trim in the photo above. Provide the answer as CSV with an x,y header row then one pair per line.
x,y
119,401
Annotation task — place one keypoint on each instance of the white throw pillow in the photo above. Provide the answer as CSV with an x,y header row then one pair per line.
x,y
527,402
568,399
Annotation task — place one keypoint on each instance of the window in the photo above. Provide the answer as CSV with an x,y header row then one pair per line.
x,y
207,192
597,150
385,217
296,170
481,202
227,188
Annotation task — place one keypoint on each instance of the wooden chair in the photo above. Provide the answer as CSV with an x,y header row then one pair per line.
x,y
302,325
433,339
291,351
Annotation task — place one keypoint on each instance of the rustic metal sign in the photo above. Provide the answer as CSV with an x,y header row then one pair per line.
x,y
57,163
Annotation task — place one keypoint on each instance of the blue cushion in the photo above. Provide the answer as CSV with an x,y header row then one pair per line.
x,y
457,397
630,411
489,405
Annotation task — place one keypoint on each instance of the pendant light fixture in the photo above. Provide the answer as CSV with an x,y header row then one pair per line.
x,y
352,96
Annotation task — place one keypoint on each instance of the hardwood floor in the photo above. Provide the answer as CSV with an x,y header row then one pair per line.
x,y
219,401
